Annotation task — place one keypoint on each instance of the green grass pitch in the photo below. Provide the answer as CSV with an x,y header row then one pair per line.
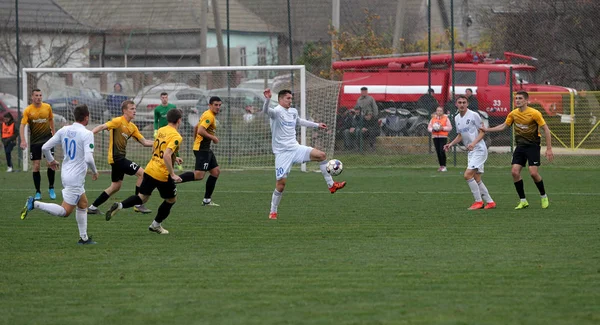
x,y
396,246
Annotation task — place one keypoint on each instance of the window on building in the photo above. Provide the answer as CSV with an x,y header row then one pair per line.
x,y
243,56
262,56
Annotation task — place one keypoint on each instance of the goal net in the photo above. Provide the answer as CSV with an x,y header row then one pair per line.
x,y
243,130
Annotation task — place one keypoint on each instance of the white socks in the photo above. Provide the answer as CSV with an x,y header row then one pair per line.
x,y
474,189
81,217
52,208
484,193
155,224
328,178
275,199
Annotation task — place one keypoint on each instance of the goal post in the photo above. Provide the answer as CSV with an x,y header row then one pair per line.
x,y
243,130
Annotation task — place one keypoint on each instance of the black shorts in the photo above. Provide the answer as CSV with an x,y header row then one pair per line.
x,y
35,151
167,189
122,167
205,160
527,154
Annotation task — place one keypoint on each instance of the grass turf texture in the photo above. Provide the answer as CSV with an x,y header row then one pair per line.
x,y
396,246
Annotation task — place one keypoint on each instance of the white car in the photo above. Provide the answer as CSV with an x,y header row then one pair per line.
x,y
148,98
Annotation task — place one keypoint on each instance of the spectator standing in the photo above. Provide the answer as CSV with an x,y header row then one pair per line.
x,y
439,126
114,100
428,102
10,131
366,103
472,100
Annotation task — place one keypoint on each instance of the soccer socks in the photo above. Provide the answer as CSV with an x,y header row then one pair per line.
x,y
540,186
187,177
520,189
328,178
37,180
211,182
137,190
51,208
163,212
474,189
81,217
484,192
101,199
131,201
275,199
51,174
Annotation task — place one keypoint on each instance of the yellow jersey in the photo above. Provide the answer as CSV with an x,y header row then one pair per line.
x,y
38,119
167,137
120,131
527,125
208,121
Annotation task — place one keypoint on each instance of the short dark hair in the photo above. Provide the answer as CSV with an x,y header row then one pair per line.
x,y
164,94
284,92
80,112
523,93
173,115
214,99
461,96
364,88
469,89
35,89
430,91
126,103
9,116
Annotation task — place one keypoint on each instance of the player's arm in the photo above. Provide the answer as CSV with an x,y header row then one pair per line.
x,y
99,128
204,133
266,109
167,157
89,156
508,122
145,142
310,124
548,136
51,122
453,142
47,149
24,122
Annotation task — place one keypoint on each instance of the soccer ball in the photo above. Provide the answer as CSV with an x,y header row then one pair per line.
x,y
437,126
334,167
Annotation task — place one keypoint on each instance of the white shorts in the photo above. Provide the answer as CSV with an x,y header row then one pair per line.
x,y
477,160
72,194
285,160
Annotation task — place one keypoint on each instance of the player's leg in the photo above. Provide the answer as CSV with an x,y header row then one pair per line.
x,y
283,166
148,185
518,162
211,182
469,176
51,177
116,177
168,191
485,194
318,155
135,169
199,169
533,159
81,217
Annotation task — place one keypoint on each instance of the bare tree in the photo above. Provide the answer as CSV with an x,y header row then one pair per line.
x,y
562,34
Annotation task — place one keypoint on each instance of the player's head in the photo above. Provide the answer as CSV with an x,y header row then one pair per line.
x,y
128,109
36,96
174,117
164,98
214,104
285,97
462,104
81,113
521,98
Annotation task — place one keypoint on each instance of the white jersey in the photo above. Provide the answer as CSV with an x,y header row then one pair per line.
x,y
76,141
468,127
283,127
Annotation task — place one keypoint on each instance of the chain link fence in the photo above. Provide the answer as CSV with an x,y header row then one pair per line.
x,y
551,43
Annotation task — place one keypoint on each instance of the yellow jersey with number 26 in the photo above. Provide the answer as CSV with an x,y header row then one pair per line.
x,y
167,137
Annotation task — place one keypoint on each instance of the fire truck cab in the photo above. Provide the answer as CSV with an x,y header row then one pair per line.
x,y
403,80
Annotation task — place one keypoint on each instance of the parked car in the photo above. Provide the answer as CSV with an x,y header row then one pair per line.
x,y
8,104
240,100
148,98
64,101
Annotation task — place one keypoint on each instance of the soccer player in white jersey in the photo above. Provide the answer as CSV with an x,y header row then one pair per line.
x,y
467,126
286,148
78,148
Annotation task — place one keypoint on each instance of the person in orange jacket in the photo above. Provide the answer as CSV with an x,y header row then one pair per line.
x,y
439,126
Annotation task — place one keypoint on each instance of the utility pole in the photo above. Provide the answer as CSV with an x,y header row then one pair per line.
x,y
335,22
399,25
219,33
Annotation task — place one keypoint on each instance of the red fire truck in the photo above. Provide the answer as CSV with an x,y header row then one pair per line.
x,y
403,80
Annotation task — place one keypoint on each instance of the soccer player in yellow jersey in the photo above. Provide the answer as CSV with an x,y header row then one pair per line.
x,y
159,174
120,130
40,119
205,159
528,122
